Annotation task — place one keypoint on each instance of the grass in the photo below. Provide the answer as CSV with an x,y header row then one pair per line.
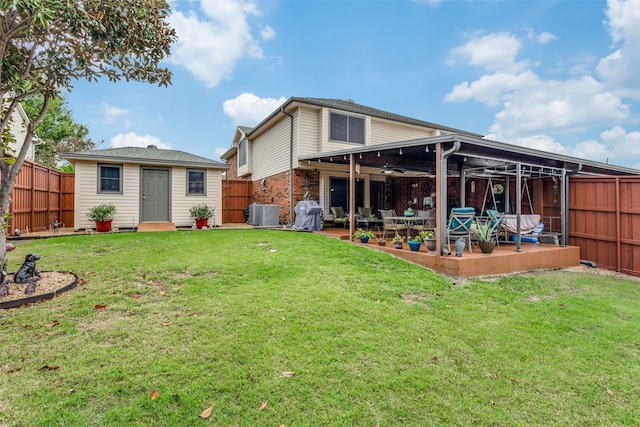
x,y
213,319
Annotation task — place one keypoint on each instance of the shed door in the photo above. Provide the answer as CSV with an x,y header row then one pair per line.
x,y
155,197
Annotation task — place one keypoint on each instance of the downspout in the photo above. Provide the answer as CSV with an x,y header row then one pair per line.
x,y
290,168
564,208
441,219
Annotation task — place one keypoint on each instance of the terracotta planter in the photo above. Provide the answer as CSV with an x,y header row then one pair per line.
x,y
103,226
487,247
202,222
382,242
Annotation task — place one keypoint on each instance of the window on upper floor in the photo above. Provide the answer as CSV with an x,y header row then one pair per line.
x,y
346,128
242,153
195,182
109,178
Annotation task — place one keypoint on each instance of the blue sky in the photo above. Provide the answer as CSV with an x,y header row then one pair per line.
x,y
560,76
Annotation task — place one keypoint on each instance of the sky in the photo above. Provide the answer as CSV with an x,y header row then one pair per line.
x,y
559,76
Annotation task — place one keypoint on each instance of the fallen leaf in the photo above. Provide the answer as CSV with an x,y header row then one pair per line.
x,y
378,301
154,394
515,380
167,323
162,293
135,296
193,315
144,276
51,325
117,380
27,326
496,375
206,413
82,282
50,368
13,370
264,405
100,307
610,392
70,391
88,273
493,403
57,382
288,374
419,339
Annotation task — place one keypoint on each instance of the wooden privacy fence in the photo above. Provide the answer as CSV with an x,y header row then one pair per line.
x,y
604,220
40,196
236,196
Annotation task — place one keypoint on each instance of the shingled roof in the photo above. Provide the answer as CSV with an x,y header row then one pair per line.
x,y
351,106
150,155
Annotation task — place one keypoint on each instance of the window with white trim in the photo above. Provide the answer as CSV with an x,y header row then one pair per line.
x,y
109,178
346,128
242,153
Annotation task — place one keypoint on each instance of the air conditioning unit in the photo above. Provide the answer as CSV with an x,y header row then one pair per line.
x,y
264,215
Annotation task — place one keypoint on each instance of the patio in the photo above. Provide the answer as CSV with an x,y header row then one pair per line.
x,y
506,260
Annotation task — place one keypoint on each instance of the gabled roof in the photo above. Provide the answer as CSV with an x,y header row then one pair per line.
x,y
352,107
150,155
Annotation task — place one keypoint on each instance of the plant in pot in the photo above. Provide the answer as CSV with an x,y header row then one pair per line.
x,y
415,242
429,239
397,241
201,213
486,240
363,235
102,215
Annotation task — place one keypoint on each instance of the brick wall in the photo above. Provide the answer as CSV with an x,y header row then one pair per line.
x,y
232,172
275,190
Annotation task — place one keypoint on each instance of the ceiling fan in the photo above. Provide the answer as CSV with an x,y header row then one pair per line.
x,y
388,168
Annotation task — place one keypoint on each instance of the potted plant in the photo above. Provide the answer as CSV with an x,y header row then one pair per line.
x,y
409,211
363,235
429,239
201,213
397,241
102,215
486,240
415,242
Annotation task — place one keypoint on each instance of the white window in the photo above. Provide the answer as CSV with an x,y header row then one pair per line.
x,y
346,128
242,153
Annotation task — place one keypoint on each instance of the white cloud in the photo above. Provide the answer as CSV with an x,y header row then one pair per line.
x,y
210,46
542,38
493,52
133,140
219,151
248,110
112,113
619,69
622,142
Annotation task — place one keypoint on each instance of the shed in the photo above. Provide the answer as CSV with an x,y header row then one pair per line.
x,y
148,185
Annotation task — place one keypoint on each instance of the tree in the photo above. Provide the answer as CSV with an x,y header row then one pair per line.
x,y
47,44
57,130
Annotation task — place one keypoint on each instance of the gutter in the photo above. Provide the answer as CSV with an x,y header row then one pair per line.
x,y
442,195
290,167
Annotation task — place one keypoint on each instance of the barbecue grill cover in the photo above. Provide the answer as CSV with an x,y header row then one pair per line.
x,y
308,215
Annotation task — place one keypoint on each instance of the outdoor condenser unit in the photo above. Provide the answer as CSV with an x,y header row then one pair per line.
x,y
264,215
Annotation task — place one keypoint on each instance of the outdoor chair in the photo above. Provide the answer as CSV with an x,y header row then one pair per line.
x,y
426,221
459,225
364,212
339,217
389,224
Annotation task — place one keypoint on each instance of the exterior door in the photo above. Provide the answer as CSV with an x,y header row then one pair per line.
x,y
340,193
155,196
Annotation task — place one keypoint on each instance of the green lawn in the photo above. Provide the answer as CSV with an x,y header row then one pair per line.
x,y
213,319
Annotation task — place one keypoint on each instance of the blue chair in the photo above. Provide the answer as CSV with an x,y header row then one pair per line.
x,y
459,225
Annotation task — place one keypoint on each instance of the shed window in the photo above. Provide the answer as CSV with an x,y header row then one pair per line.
x,y
346,128
110,179
196,180
242,153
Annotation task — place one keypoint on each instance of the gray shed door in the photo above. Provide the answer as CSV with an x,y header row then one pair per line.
x,y
155,195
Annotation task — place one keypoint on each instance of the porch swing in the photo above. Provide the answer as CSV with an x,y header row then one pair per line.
x,y
529,223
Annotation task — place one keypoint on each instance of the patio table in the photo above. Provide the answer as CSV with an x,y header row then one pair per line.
x,y
409,221
367,222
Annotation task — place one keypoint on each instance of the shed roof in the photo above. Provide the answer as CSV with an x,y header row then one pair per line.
x,y
149,155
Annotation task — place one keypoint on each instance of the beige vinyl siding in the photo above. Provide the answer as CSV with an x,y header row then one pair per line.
x,y
309,131
87,196
181,202
383,131
272,148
